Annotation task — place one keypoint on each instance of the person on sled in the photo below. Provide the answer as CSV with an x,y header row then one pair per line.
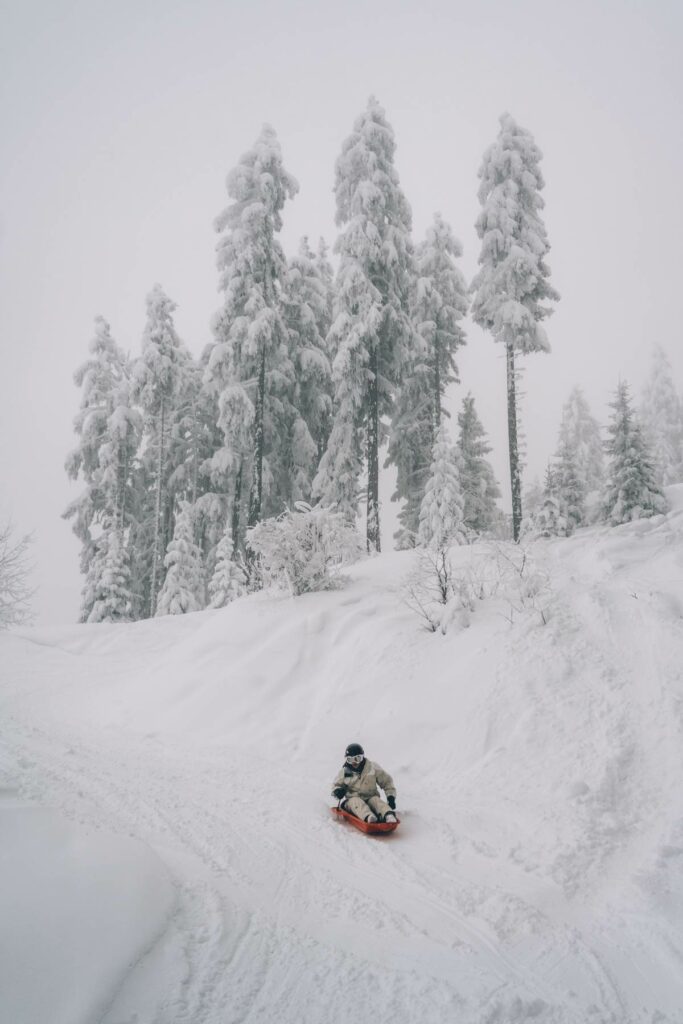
x,y
357,787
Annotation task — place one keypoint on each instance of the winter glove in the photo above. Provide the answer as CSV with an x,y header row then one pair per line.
x,y
391,800
339,792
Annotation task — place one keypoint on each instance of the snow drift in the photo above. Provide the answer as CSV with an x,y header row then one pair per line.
x,y
538,871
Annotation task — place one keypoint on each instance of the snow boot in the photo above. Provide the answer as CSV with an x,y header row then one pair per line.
x,y
371,818
390,816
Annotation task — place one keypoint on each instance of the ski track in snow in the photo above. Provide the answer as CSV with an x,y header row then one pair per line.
x,y
481,913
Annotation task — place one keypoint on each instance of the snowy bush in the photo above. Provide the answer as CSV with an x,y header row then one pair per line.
x,y
516,577
305,547
441,594
444,594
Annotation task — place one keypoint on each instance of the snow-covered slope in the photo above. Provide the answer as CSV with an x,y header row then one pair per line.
x,y
538,871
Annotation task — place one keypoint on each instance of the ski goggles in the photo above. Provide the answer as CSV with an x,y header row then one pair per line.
x,y
355,758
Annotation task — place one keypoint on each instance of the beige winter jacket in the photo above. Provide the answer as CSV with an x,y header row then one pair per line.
x,y
365,783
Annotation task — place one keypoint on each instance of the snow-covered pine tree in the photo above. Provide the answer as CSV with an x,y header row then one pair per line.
x,y
632,491
439,303
480,489
569,486
119,453
108,429
372,332
442,511
249,365
182,590
661,413
228,580
512,284
310,401
112,599
157,376
580,434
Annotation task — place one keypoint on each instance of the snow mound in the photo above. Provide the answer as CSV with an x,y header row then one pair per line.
x,y
78,910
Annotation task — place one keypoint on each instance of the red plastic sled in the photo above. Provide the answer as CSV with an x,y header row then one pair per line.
x,y
371,827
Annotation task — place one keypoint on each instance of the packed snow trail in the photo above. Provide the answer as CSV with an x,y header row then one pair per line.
x,y
537,874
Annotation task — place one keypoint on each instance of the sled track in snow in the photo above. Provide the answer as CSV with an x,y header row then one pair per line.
x,y
227,958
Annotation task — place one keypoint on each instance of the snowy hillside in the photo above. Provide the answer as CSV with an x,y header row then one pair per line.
x,y
167,854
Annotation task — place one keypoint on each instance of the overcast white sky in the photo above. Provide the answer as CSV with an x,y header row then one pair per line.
x,y
119,122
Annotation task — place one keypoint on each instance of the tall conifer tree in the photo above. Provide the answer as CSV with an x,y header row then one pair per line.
x,y
512,285
309,404
662,419
442,511
249,366
439,303
632,491
108,430
479,486
157,377
580,439
372,333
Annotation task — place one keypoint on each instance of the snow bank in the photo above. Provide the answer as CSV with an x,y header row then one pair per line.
x,y
77,911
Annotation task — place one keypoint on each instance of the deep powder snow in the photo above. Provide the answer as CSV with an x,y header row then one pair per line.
x,y
167,853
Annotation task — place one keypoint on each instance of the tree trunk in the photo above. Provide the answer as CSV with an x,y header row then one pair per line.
x,y
256,499
195,453
122,480
373,535
436,421
157,512
515,475
236,502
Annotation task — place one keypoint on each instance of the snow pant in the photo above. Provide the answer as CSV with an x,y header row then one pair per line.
x,y
371,805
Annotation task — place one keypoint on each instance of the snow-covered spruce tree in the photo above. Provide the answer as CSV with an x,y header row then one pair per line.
x,y
191,433
372,332
480,489
442,511
580,435
661,412
108,429
183,586
157,375
249,366
631,491
228,580
512,284
310,402
568,487
438,304
112,599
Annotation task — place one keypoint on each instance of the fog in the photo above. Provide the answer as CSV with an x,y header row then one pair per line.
x,y
119,123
